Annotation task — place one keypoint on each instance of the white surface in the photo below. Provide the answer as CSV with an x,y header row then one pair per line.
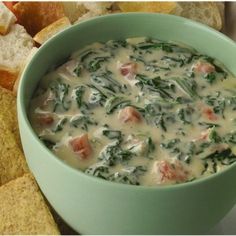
x,y
227,226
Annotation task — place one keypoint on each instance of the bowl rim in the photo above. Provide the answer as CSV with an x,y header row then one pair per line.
x,y
23,116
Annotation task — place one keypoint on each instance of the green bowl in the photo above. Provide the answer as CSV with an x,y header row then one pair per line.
x,y
94,206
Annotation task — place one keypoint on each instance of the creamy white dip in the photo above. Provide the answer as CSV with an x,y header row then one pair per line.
x,y
139,111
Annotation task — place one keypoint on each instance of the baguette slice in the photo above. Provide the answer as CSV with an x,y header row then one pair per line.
x,y
14,48
51,30
7,18
23,209
12,160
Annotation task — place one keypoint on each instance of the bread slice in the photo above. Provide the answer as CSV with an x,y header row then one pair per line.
x,y
51,30
221,7
98,8
205,12
7,18
22,67
159,7
35,16
73,10
14,48
8,114
23,210
12,160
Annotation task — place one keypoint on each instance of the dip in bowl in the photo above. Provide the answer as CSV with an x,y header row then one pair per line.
x,y
97,206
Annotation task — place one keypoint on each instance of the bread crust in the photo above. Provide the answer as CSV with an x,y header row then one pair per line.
x,y
12,160
23,209
161,7
7,18
37,15
51,30
8,77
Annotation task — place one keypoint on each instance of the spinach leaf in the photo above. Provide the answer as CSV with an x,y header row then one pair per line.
x,y
79,94
150,145
217,102
97,96
129,175
78,70
98,170
82,121
60,91
178,61
185,114
211,77
208,125
59,125
187,85
48,143
218,69
105,80
160,121
230,138
114,103
170,144
167,47
95,63
84,55
112,134
231,101
214,136
115,44
156,85
221,155
113,154
190,152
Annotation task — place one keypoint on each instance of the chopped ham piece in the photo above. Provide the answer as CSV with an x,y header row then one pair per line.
x,y
81,146
45,119
203,67
129,70
169,172
210,114
129,114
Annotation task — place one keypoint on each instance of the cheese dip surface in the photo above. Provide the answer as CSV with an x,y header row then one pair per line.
x,y
139,111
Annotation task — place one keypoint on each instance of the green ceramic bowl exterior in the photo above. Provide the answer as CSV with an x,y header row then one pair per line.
x,y
94,206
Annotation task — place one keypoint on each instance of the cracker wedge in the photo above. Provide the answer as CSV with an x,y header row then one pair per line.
x,y
23,209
